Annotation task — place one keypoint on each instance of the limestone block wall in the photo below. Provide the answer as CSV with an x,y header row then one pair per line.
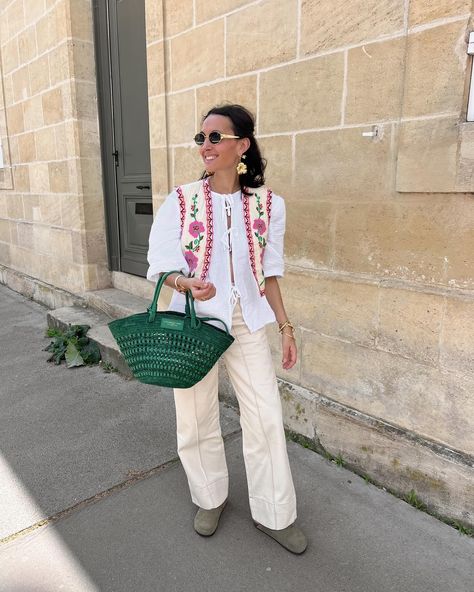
x,y
380,228
51,203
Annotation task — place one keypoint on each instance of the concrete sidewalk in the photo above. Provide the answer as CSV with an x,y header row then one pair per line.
x,y
99,453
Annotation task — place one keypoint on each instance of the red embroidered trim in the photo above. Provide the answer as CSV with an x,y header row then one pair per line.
x,y
269,213
210,229
182,206
248,229
269,205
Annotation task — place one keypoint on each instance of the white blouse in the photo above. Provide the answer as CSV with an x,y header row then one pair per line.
x,y
165,254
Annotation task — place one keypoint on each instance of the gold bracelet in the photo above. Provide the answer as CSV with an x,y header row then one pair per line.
x,y
288,335
181,290
284,325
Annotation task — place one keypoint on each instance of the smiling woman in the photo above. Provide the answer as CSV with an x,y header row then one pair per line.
x,y
225,233
219,150
220,126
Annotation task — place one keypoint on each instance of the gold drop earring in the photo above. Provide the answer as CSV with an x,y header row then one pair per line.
x,y
242,167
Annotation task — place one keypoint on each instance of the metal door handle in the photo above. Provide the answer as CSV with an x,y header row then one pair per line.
x,y
143,187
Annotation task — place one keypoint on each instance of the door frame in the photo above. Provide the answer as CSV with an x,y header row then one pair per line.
x,y
101,22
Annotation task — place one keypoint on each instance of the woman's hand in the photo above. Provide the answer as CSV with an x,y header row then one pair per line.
x,y
289,351
273,294
200,290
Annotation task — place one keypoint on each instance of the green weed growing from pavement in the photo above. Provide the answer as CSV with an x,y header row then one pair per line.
x,y
107,367
73,346
463,529
301,440
413,499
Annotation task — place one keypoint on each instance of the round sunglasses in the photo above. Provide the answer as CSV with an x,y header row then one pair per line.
x,y
214,137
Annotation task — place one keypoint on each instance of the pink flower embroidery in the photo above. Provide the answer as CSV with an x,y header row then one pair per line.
x,y
259,225
191,260
195,228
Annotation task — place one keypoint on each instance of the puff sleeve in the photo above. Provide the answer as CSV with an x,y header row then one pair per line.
x,y
273,258
164,247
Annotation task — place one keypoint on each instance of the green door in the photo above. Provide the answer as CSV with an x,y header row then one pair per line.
x,y
122,83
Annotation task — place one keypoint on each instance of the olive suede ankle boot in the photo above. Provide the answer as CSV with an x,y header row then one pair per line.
x,y
206,521
291,537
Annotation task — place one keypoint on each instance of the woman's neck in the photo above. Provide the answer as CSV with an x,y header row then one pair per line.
x,y
222,183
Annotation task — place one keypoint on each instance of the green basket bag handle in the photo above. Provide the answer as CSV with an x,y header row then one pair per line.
x,y
189,309
153,308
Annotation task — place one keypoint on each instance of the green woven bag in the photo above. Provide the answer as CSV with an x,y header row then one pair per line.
x,y
170,348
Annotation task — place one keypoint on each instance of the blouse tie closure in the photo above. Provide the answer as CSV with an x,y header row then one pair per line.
x,y
227,236
234,296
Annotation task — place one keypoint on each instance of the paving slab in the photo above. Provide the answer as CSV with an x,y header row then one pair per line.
x,y
141,539
68,434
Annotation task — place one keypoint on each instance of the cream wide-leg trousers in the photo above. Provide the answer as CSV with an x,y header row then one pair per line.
x,y
200,445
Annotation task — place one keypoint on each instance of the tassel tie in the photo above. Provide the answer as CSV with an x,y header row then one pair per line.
x,y
227,238
228,204
234,296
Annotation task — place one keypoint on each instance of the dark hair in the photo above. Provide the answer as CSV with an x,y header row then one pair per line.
x,y
243,124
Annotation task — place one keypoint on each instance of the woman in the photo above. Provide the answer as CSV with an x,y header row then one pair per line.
x,y
225,233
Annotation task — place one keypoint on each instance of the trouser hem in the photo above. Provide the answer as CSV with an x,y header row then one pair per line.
x,y
274,516
211,495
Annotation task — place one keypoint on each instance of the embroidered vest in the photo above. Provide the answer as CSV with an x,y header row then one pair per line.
x,y
197,233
